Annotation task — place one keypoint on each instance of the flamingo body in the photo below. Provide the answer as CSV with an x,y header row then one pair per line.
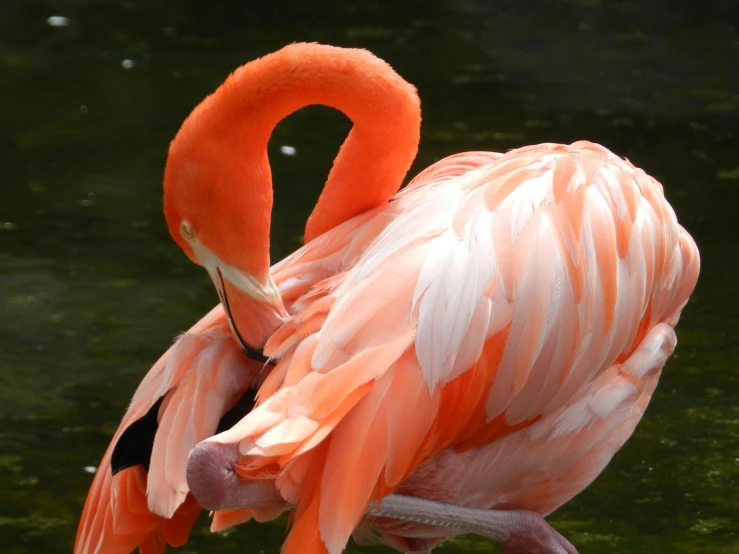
x,y
488,337
503,320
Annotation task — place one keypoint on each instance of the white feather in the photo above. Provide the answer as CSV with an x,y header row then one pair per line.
x,y
451,284
525,200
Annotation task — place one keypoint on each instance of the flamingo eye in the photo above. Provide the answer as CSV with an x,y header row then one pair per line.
x,y
186,230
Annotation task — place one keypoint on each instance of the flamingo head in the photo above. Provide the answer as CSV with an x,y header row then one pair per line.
x,y
217,208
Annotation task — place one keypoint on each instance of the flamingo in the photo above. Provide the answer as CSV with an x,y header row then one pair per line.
x,y
139,495
463,356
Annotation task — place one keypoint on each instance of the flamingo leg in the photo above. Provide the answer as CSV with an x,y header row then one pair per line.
x,y
216,486
517,531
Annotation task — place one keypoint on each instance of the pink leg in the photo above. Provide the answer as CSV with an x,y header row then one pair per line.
x,y
214,484
517,531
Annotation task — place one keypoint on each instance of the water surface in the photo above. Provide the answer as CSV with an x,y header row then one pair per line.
x,y
92,289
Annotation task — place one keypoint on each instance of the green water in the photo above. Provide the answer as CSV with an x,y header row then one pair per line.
x,y
92,289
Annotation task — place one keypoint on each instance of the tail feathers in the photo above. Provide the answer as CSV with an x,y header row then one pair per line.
x,y
115,519
177,529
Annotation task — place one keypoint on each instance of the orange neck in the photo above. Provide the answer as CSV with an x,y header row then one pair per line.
x,y
218,168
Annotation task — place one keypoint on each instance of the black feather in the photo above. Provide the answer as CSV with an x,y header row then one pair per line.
x,y
135,443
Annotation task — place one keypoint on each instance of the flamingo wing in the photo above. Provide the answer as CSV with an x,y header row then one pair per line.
x,y
139,496
486,301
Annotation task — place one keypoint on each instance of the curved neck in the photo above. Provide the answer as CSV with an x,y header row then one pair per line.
x,y
232,127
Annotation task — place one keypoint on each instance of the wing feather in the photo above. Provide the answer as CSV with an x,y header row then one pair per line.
x,y
200,377
489,297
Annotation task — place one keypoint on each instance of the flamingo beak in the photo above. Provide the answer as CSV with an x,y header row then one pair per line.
x,y
253,305
253,315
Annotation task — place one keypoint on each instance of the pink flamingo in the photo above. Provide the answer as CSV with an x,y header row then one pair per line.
x,y
465,356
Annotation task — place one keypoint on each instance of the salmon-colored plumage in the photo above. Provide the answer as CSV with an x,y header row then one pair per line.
x,y
199,378
486,327
488,338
